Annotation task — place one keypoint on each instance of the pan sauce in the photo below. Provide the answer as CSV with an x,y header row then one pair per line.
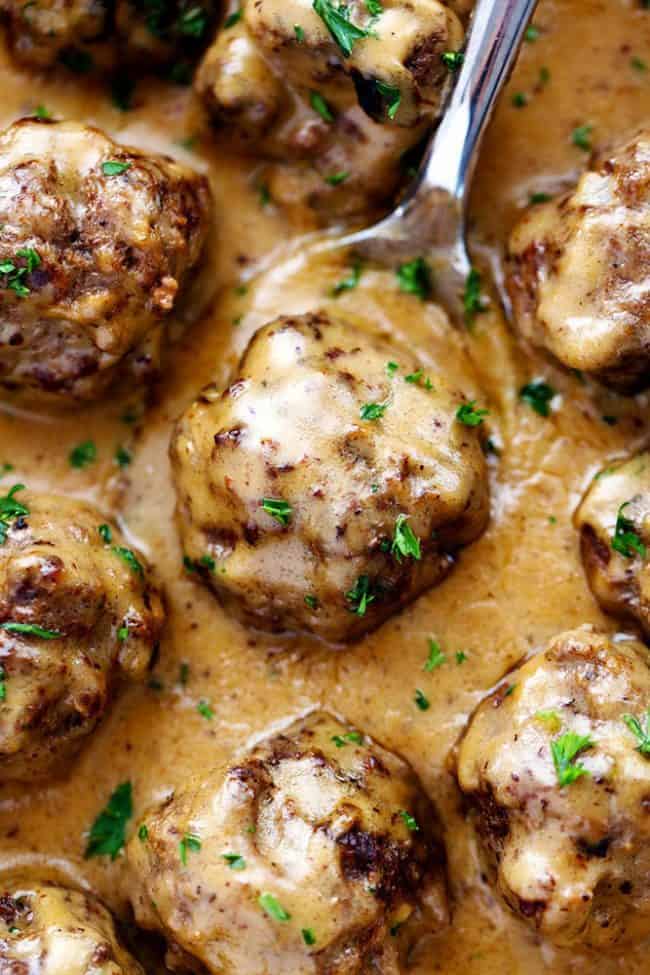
x,y
519,585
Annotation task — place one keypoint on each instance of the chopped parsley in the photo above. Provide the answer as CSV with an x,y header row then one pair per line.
x,y
106,534
41,112
129,558
361,595
278,509
354,737
271,905
405,542
31,629
421,701
234,860
391,368
581,137
519,99
123,457
410,821
550,718
112,167
469,415
473,303
392,97
205,710
10,509
373,411
311,601
184,673
107,833
374,7
436,657
15,275
415,278
532,33
536,198
193,22
143,833
299,32
538,395
625,540
191,842
308,935
83,454
461,657
123,634
565,750
233,18
415,377
344,32
349,283
638,64
320,106
3,684
453,60
337,178
641,734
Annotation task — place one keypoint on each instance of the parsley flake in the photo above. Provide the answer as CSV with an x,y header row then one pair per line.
x,y
373,411
31,629
469,415
271,905
112,167
107,833
565,750
641,734
473,303
344,32
83,454
538,394
625,540
405,541
421,700
453,60
191,842
354,737
436,657
361,595
349,283
205,710
320,106
278,509
410,821
10,508
308,935
415,278
391,96
129,558
234,860
581,137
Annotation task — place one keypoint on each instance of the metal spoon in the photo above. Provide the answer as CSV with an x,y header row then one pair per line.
x,y
430,220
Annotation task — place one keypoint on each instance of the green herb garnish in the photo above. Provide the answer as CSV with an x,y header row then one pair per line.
x,y
469,415
565,750
107,833
405,542
626,540
273,908
278,509
415,278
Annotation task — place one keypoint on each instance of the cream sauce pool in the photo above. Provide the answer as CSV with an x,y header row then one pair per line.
x,y
511,591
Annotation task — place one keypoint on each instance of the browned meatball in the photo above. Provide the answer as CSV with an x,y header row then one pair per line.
x,y
556,765
78,613
318,844
579,278
330,483
97,244
88,34
614,524
51,930
340,107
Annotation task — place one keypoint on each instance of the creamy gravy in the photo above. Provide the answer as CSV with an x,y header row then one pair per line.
x,y
519,585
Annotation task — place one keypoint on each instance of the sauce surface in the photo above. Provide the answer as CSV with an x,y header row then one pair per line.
x,y
518,586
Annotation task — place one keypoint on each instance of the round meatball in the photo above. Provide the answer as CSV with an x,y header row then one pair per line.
x,y
614,524
318,844
340,98
556,767
77,613
88,34
50,930
578,275
330,483
97,244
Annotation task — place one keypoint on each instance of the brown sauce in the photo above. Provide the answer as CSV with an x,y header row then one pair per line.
x,y
518,586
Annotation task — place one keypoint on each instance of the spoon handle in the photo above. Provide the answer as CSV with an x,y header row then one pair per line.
x,y
495,36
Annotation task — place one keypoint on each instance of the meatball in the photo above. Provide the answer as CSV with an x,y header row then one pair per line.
x,y
556,767
77,613
331,91
97,245
318,844
614,524
46,930
330,483
87,34
578,275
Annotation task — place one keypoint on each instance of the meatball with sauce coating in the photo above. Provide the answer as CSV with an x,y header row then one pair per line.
x,y
556,766
77,614
330,483
318,843
578,276
97,244
614,524
84,35
340,95
50,930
